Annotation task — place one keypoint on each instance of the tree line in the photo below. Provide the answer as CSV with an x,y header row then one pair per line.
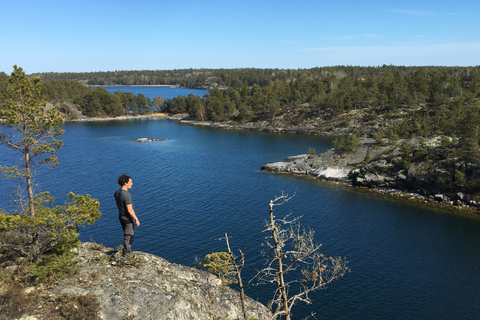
x,y
208,78
440,93
93,102
331,95
439,98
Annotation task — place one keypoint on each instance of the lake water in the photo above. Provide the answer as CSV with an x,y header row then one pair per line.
x,y
407,261
153,91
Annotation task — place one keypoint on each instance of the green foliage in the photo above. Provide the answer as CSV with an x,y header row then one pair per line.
x,y
221,265
380,137
367,159
311,151
55,266
51,230
31,128
460,179
347,144
264,93
391,135
38,231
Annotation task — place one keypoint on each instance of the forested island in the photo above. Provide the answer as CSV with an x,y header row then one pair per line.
x,y
401,110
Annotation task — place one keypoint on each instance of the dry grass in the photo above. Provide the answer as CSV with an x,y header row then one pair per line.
x,y
22,294
14,302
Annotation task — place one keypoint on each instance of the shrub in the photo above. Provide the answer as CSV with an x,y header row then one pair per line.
x,y
56,266
347,144
51,230
221,265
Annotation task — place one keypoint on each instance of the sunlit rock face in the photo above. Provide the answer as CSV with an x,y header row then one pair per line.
x,y
153,288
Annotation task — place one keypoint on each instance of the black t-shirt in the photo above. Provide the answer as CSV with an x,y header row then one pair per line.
x,y
123,197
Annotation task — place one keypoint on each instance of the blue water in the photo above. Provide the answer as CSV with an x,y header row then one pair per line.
x,y
407,261
153,91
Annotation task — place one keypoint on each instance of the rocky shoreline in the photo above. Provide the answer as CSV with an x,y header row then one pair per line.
x,y
381,175
85,119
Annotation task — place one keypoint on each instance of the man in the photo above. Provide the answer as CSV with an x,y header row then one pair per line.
x,y
126,214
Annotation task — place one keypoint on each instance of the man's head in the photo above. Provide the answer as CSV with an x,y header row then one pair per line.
x,y
123,179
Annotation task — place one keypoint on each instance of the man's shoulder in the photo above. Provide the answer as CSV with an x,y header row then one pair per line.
x,y
122,194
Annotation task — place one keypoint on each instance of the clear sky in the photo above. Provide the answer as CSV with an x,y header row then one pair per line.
x,y
108,35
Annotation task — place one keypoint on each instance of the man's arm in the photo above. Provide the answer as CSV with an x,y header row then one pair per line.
x,y
131,212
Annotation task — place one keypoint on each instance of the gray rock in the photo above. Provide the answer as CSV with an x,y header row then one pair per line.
x,y
148,140
154,289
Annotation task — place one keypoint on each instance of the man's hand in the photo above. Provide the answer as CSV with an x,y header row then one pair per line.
x,y
137,223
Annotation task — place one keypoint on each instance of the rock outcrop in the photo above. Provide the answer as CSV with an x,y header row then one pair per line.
x,y
384,168
147,287
148,140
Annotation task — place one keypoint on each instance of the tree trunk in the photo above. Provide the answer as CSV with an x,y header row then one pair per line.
x,y
239,276
28,177
278,258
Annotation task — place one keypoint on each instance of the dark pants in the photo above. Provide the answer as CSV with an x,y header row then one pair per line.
x,y
127,227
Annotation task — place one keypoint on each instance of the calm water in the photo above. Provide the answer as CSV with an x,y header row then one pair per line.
x,y
407,262
153,91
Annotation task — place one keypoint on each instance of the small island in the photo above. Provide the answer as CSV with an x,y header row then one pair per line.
x,y
148,140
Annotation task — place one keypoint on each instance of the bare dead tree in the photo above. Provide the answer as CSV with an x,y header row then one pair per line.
x,y
238,273
293,249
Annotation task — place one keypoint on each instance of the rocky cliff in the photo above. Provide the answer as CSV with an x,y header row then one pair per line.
x,y
147,287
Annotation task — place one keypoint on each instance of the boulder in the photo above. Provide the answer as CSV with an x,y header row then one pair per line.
x,y
148,140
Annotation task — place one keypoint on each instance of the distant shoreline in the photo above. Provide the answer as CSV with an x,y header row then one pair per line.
x,y
138,85
150,115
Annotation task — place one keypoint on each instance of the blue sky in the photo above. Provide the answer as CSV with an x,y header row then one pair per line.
x,y
104,35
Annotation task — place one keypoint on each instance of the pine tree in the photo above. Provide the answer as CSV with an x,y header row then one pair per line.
x,y
31,128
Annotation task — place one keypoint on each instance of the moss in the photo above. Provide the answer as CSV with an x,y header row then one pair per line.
x,y
117,259
84,307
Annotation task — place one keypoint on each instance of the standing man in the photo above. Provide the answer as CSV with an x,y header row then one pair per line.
x,y
126,214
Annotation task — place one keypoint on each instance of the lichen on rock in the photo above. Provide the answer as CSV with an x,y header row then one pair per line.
x,y
153,288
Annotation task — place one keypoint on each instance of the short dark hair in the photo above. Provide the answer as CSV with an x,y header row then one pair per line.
x,y
123,179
